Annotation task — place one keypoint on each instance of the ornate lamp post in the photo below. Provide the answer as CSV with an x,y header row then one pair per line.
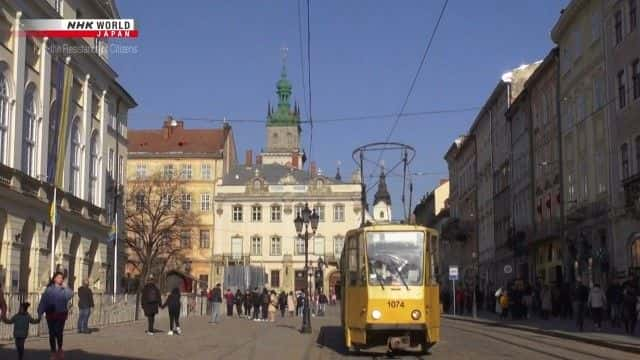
x,y
302,222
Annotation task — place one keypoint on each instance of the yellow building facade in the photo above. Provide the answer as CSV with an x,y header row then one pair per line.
x,y
199,157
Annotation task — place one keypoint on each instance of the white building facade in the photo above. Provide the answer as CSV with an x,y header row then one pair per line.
x,y
95,154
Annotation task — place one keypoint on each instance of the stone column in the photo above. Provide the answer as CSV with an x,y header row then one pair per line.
x,y
85,138
15,135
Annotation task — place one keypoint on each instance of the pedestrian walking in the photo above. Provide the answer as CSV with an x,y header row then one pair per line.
x,y
266,300
334,298
257,302
597,302
546,299
504,305
238,300
85,304
216,303
282,303
322,303
300,303
3,303
229,299
273,306
54,303
20,322
248,304
173,303
630,306
150,301
291,304
615,297
581,298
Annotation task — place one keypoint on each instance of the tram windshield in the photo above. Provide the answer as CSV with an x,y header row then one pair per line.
x,y
395,258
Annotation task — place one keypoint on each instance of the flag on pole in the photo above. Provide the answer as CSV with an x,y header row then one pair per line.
x,y
61,119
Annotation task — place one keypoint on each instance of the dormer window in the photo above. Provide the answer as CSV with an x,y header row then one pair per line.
x,y
257,184
319,183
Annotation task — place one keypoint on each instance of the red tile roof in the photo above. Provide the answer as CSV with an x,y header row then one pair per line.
x,y
176,139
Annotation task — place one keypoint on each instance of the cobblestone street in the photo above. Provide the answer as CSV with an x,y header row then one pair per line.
x,y
242,339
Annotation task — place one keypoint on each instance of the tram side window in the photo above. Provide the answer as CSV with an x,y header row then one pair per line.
x,y
352,249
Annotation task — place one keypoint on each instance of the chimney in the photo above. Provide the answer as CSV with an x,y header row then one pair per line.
x,y
313,168
248,159
295,161
169,125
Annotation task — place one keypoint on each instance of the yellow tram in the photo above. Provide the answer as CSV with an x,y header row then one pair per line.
x,y
389,293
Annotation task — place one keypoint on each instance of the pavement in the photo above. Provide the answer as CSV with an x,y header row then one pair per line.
x,y
236,338
607,336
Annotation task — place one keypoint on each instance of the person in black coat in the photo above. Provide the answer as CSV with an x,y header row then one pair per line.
x,y
266,299
173,303
282,303
257,301
150,302
85,304
238,301
248,304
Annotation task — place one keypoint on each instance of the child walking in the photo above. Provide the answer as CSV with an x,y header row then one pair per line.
x,y
173,303
21,322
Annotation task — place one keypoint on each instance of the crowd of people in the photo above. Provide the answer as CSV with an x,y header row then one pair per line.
x,y
619,303
263,304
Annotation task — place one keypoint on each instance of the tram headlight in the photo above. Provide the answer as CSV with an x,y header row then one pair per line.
x,y
415,314
376,314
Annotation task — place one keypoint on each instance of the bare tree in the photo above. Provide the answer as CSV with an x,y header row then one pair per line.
x,y
158,212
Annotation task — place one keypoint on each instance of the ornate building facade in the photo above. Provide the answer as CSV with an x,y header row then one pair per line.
x,y
97,128
255,241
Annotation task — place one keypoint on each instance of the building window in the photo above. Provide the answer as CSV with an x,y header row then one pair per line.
x,y
29,133
110,162
204,239
4,118
205,171
276,246
635,253
141,171
185,239
622,90
298,210
624,156
205,202
186,201
256,213
338,244
140,201
167,171
165,200
635,68
319,209
618,26
236,247
256,246
93,168
257,185
637,154
74,163
318,245
57,4
186,172
595,26
338,213
275,279
276,213
300,245
237,213
121,170
633,14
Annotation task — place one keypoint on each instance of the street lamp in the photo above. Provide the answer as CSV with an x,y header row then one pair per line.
x,y
303,221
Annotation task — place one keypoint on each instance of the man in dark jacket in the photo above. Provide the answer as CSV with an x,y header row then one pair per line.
x,y
216,303
173,303
150,302
581,297
257,302
85,304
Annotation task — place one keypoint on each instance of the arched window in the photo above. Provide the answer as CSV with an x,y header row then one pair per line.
x,y
74,163
93,168
29,133
4,118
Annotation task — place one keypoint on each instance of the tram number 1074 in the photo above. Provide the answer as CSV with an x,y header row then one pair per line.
x,y
395,304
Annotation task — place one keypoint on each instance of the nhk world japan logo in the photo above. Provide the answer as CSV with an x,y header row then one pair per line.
x,y
80,28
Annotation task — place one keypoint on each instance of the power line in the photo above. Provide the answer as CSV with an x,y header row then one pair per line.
x,y
309,113
331,120
302,66
415,77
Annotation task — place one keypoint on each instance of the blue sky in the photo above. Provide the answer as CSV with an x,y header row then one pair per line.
x,y
214,59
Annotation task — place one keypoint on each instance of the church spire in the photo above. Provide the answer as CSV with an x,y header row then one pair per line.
x,y
283,115
383,193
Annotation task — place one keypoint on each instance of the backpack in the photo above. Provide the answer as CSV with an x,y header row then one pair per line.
x,y
210,295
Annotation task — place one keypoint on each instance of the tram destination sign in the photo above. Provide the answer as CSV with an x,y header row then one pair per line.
x,y
453,273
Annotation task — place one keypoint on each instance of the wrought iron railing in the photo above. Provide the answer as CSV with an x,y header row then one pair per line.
x,y
106,311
